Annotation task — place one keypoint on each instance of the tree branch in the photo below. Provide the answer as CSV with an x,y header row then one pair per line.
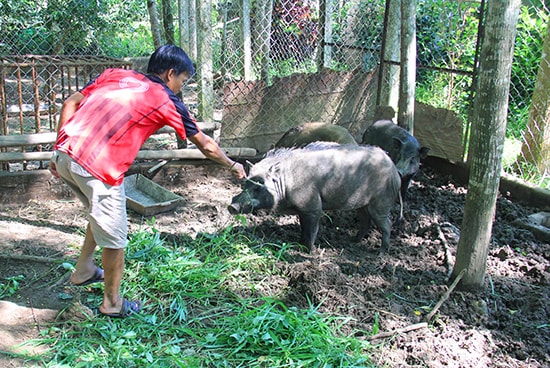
x,y
445,296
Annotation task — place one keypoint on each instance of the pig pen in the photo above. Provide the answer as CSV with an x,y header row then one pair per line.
x,y
506,325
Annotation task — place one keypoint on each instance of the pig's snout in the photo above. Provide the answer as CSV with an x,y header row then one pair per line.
x,y
407,168
234,208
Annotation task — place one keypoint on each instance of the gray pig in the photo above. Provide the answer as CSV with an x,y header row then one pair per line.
x,y
302,135
403,148
324,176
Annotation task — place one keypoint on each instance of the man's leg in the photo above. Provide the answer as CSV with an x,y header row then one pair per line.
x,y
85,266
113,266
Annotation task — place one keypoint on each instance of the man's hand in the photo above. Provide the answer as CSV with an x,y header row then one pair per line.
x,y
53,170
237,169
208,146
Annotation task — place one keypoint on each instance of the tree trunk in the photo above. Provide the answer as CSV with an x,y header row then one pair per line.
x,y
389,73
324,53
247,40
168,22
155,24
536,146
405,116
487,141
188,27
193,37
183,24
262,35
204,61
223,54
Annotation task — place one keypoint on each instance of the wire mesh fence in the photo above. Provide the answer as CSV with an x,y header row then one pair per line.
x,y
277,63
528,128
33,87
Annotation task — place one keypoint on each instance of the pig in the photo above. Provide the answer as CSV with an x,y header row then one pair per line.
x,y
324,176
401,146
301,135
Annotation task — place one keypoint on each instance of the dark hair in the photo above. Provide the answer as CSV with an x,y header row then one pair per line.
x,y
170,57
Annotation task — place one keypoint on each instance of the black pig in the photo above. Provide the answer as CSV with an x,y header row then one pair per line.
x,y
302,135
403,148
324,176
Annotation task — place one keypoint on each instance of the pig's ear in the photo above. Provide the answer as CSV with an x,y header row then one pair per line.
x,y
275,170
397,143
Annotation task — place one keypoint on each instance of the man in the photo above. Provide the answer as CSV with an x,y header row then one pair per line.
x,y
101,129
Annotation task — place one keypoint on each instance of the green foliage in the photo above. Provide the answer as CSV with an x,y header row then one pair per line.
x,y
443,90
289,67
272,335
446,38
131,41
447,34
10,285
71,27
200,310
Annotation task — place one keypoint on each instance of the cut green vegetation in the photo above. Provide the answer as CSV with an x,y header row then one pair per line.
x,y
10,285
203,308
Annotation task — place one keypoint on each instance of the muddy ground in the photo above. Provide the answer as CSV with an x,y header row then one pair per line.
x,y
505,325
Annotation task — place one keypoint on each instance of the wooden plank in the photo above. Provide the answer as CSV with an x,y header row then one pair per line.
x,y
192,153
24,156
27,139
45,138
203,125
182,154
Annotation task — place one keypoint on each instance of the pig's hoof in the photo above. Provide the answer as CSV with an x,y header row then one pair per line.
x,y
384,249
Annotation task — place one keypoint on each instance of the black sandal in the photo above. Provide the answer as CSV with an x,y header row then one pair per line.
x,y
97,277
128,308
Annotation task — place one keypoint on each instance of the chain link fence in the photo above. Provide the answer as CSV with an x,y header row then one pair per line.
x,y
528,129
281,62
33,87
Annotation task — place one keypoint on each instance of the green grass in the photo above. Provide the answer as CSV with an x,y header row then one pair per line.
x,y
201,309
10,286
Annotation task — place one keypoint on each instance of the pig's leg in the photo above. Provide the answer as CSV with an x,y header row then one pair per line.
x,y
405,183
309,222
364,224
384,224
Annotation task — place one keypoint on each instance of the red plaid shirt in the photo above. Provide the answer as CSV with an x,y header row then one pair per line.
x,y
120,110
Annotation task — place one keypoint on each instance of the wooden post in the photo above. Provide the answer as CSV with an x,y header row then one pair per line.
x,y
20,100
408,65
36,96
69,83
51,98
193,38
4,107
76,85
205,62
3,110
247,43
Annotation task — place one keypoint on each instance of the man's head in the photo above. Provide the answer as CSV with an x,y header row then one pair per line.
x,y
172,65
170,57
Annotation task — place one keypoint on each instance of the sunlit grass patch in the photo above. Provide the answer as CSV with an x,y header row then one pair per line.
x,y
202,309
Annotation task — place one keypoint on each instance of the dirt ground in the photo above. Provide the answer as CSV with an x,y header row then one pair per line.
x,y
505,325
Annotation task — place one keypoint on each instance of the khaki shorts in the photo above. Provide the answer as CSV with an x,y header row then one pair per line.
x,y
106,204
